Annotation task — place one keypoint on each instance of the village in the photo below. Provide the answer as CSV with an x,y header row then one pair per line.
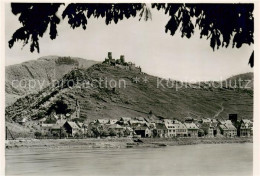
x,y
148,127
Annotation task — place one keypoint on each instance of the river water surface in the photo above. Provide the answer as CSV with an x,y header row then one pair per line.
x,y
204,159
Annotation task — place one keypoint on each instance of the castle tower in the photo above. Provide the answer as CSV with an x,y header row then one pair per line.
x,y
122,59
109,55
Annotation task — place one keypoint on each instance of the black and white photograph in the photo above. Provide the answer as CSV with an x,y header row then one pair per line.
x,y
133,89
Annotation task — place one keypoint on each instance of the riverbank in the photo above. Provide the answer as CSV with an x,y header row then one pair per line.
x,y
117,142
194,141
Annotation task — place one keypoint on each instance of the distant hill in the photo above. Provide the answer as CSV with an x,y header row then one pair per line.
x,y
136,99
43,70
246,80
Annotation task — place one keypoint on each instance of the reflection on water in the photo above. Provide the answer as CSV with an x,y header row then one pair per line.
x,y
218,159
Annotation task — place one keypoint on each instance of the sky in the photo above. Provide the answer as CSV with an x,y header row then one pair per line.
x,y
142,42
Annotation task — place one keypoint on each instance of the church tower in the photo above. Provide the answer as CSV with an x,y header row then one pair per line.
x,y
77,109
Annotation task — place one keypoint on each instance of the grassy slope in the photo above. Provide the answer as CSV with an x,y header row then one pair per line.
x,y
137,99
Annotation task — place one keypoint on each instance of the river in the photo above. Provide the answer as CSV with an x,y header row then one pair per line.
x,y
204,159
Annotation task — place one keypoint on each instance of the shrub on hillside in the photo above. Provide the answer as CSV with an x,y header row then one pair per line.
x,y
60,107
37,134
66,60
112,132
78,134
46,98
95,130
40,114
120,134
90,133
201,133
48,134
63,133
104,133
78,120
50,120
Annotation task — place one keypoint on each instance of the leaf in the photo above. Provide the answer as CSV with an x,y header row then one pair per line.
x,y
251,60
53,30
212,42
228,19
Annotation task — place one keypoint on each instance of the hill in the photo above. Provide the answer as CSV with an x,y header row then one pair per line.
x,y
246,80
40,72
137,98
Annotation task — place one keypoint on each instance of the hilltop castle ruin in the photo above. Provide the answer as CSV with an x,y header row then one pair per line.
x,y
121,63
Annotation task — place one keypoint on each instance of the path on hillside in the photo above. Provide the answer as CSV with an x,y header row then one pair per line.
x,y
221,110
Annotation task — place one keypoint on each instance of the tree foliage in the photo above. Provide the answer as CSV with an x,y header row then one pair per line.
x,y
112,132
59,107
35,19
218,22
222,24
50,120
37,134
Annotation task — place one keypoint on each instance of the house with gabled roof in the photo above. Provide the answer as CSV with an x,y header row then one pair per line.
x,y
137,123
101,121
192,129
205,120
189,120
133,122
112,121
246,128
71,128
223,129
181,130
124,121
143,131
22,121
142,119
151,118
168,121
227,129
171,131
55,129
161,130
59,124
117,128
